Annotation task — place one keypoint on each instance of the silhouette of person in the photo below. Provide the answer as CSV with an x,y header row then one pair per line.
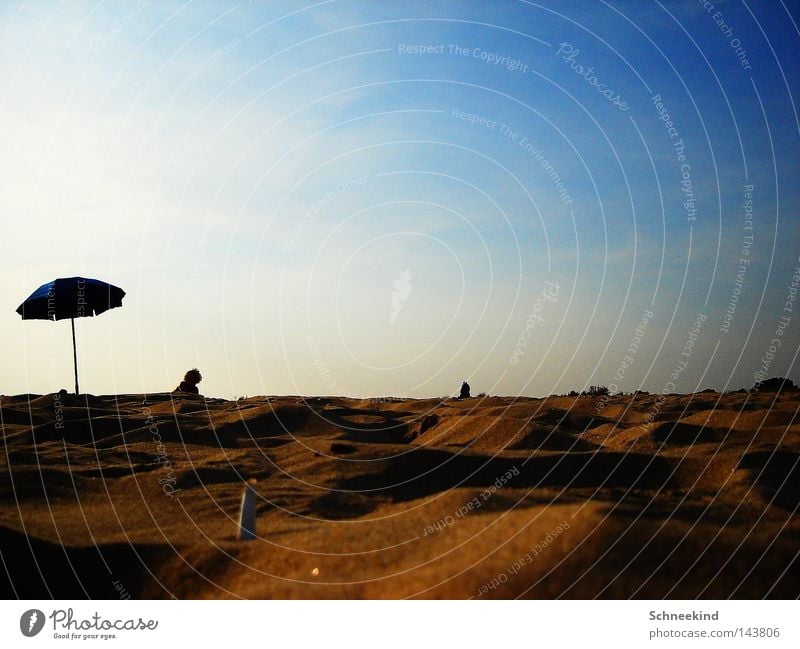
x,y
464,391
190,381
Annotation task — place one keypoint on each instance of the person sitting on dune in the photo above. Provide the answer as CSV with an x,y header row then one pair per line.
x,y
190,381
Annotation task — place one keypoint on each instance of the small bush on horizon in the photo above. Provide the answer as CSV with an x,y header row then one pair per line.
x,y
775,384
595,391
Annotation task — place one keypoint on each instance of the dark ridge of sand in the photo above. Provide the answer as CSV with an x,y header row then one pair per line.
x,y
683,497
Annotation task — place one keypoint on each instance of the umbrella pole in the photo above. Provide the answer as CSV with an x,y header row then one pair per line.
x,y
74,355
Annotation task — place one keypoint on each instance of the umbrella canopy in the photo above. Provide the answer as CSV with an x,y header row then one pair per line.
x,y
71,297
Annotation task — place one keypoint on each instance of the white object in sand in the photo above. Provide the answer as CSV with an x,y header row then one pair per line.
x,y
247,512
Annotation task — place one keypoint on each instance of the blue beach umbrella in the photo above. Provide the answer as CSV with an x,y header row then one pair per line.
x,y
71,297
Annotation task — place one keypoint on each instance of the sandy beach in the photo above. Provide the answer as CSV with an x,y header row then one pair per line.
x,y
645,496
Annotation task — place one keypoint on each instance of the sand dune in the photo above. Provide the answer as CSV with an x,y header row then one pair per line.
x,y
684,496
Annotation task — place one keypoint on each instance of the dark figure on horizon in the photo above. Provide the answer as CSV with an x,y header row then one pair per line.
x,y
190,381
464,391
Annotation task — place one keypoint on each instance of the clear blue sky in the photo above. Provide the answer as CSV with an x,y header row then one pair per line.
x,y
371,198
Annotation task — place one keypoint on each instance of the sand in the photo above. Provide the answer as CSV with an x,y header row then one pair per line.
x,y
682,496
